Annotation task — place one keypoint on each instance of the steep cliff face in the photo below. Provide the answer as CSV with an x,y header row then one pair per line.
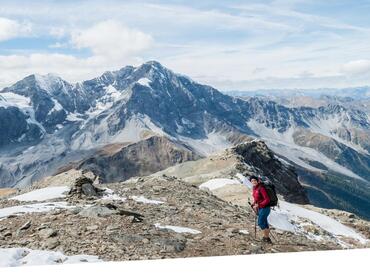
x,y
263,160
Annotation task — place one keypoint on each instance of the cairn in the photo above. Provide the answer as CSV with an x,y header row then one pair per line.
x,y
84,188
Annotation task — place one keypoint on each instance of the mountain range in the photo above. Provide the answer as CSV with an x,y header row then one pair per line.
x,y
112,124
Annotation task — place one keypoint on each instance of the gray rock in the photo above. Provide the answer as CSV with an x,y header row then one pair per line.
x,y
145,241
98,211
88,190
232,230
76,210
51,244
3,229
92,228
113,228
7,233
48,233
25,226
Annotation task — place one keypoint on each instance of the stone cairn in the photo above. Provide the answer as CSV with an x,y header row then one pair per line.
x,y
84,188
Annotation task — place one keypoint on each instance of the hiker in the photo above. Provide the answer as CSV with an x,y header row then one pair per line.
x,y
261,206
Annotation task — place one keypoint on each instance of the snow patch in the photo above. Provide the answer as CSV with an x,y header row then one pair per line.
x,y
33,208
110,195
11,257
287,217
144,200
178,229
9,99
244,180
144,82
43,194
57,107
47,82
73,117
214,143
214,184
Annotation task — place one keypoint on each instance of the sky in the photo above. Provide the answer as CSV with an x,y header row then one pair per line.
x,y
230,45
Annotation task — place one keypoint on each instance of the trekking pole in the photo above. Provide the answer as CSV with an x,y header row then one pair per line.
x,y
255,219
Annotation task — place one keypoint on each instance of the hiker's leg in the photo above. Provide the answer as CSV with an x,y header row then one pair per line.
x,y
267,230
262,221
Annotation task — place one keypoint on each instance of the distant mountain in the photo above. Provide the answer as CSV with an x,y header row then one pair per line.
x,y
51,123
353,92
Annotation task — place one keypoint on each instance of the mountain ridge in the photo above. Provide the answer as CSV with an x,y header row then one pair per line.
x,y
64,123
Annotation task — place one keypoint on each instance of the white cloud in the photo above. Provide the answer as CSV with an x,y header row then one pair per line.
x,y
69,67
112,44
112,39
276,44
11,29
361,66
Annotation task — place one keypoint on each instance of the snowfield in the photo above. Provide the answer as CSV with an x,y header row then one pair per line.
x,y
283,144
9,99
43,194
287,216
10,257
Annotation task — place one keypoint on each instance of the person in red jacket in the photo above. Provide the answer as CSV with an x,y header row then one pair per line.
x,y
261,206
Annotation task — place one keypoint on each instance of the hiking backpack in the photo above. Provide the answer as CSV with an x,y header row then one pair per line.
x,y
271,192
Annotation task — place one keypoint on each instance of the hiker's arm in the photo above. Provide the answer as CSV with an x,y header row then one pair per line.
x,y
266,199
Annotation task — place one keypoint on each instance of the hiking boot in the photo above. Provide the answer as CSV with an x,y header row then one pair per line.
x,y
266,240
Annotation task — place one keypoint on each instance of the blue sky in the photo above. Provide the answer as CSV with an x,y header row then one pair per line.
x,y
231,45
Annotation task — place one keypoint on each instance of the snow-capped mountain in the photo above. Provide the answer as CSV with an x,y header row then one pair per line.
x,y
49,122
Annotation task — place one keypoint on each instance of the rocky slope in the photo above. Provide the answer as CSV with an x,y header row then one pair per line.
x,y
150,217
115,163
248,158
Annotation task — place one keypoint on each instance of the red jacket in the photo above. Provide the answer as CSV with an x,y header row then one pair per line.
x,y
260,196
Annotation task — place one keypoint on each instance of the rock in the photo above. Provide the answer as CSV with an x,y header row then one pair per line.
x,y
25,226
232,230
88,190
173,245
97,211
3,229
51,244
42,226
145,241
113,228
76,210
92,228
48,233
